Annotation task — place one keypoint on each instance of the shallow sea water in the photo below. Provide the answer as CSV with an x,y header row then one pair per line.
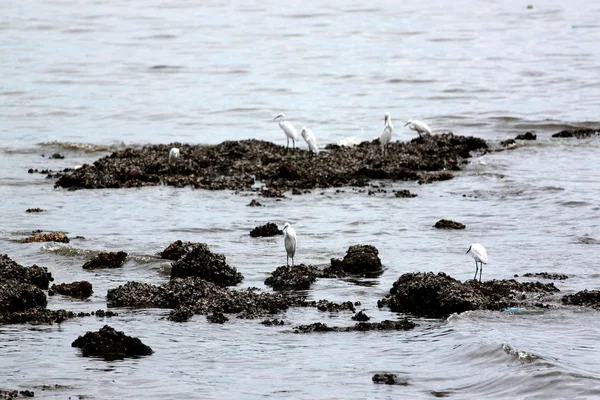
x,y
80,78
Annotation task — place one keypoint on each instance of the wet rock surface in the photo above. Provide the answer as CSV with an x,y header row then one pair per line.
x,y
201,262
110,344
299,277
361,316
273,322
449,224
236,164
217,318
547,275
404,194
80,289
11,270
577,133
254,203
39,315
15,394
181,314
34,210
102,313
38,276
106,260
17,296
359,259
526,136
401,325
588,298
267,230
439,295
177,250
388,379
47,237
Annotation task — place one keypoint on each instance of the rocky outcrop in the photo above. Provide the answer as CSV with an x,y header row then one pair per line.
x,y
47,237
299,277
588,298
80,289
176,250
110,344
546,275
201,262
106,260
401,325
526,136
267,230
449,224
359,260
577,133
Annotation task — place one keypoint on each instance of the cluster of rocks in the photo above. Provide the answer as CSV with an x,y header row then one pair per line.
x,y
386,325
47,237
238,165
110,344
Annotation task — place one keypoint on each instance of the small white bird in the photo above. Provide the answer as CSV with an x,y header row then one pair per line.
x,y
418,126
310,139
348,142
173,156
287,128
386,136
289,240
480,255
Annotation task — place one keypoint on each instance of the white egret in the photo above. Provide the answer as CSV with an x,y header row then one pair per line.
x,y
386,136
173,156
287,128
289,240
480,255
348,142
310,139
418,126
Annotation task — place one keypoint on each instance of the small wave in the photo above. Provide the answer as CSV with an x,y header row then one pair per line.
x,y
522,356
164,67
87,147
400,80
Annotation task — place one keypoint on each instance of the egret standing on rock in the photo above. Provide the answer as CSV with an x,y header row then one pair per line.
x,y
418,126
480,255
287,128
310,139
173,156
289,240
386,136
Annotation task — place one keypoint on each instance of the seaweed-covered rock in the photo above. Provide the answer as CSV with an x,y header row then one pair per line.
x,y
39,276
449,224
110,344
11,270
359,259
47,237
526,136
79,289
176,250
267,230
217,318
439,295
236,165
404,194
577,133
17,296
546,275
203,263
106,260
388,379
299,277
589,298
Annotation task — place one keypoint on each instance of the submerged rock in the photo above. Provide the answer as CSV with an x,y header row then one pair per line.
x,y
577,133
359,259
14,394
439,295
388,379
361,316
177,249
526,136
404,194
34,210
110,344
449,224
402,325
588,298
201,262
47,237
181,314
39,315
106,260
546,275
254,203
267,230
273,322
217,318
80,289
236,165
299,277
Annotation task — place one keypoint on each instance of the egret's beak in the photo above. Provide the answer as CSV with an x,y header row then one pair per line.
x,y
275,119
408,123
468,251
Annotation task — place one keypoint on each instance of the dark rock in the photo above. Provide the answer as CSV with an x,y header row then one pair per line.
x,y
577,133
110,344
448,224
431,295
217,318
508,142
267,230
314,327
326,305
38,316
57,156
106,260
17,296
201,262
546,275
236,165
34,210
299,277
80,289
38,276
359,259
102,313
361,316
526,136
181,314
254,203
47,237
402,325
177,250
273,322
388,379
404,194
588,298
435,177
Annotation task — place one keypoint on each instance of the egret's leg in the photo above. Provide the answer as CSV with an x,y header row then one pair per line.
x,y
288,144
292,261
480,270
476,269
294,144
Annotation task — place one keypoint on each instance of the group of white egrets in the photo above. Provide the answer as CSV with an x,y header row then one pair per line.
x,y
385,138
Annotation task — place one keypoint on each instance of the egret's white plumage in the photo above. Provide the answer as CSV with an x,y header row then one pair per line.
x,y
418,126
289,241
287,128
310,139
173,156
480,255
348,142
386,136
